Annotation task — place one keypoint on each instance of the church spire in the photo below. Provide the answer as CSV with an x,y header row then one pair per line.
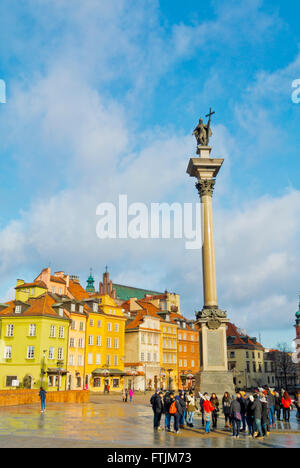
x,y
90,283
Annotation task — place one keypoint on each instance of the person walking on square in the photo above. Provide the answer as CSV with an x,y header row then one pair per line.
x,y
286,404
236,416
175,411
208,408
42,395
131,395
226,402
271,406
242,400
215,402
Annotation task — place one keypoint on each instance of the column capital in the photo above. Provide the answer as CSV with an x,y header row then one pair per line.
x,y
206,187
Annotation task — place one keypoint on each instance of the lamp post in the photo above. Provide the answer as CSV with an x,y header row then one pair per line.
x,y
169,371
59,369
43,367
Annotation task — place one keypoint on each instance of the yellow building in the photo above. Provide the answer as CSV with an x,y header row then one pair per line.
x,y
33,344
26,291
105,345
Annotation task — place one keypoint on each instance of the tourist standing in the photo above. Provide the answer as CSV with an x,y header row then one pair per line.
x,y
226,402
175,411
201,408
42,395
131,395
286,404
271,406
215,402
167,404
236,416
250,415
208,408
278,406
242,400
264,415
257,411
158,409
191,408
182,403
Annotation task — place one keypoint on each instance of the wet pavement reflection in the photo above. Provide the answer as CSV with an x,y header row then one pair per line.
x,y
111,423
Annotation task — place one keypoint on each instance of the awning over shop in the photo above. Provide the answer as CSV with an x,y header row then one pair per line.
x,y
56,371
112,372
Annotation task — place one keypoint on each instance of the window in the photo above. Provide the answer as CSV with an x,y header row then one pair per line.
x,y
142,357
247,354
80,343
232,354
174,359
91,340
61,332
185,363
116,383
51,381
52,331
155,339
169,344
116,327
180,362
97,382
51,354
73,307
72,342
10,331
193,364
155,357
91,323
254,367
30,352
149,357
60,354
81,326
180,348
184,349
108,360
95,307
248,366
18,309
170,358
109,327
60,291
169,330
108,342
116,343
99,341
80,361
116,360
165,359
71,360
7,352
81,309
73,325
192,349
9,380
90,358
99,324
98,359
61,312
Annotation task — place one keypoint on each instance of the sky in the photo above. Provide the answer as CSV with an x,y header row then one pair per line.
x,y
102,98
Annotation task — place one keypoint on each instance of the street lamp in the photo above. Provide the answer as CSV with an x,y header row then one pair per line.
x,y
43,367
59,369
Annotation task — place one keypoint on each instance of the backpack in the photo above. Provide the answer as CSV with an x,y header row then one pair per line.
x,y
173,409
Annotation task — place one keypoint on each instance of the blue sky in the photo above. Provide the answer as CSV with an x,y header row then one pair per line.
x,y
102,98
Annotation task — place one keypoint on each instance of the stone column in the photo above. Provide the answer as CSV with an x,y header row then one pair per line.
x,y
211,321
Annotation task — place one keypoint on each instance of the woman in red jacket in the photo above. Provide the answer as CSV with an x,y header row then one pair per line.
x,y
208,408
286,404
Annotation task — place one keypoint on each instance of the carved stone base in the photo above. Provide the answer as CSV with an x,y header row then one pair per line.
x,y
214,382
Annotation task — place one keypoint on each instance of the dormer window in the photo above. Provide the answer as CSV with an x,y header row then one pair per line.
x,y
168,318
81,309
73,307
95,307
61,312
184,325
18,309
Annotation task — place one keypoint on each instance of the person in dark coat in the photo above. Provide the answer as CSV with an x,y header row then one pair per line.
x,y
182,402
250,415
278,406
257,411
226,402
215,402
167,403
202,410
264,415
242,400
271,406
158,409
236,416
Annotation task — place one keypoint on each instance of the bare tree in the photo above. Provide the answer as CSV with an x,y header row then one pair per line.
x,y
283,362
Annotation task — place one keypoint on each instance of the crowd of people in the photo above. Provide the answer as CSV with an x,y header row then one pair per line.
x,y
255,412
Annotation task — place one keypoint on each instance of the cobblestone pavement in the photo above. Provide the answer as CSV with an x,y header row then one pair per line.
x,y
108,422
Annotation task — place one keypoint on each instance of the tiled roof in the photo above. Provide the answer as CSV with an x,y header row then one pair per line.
x,y
39,284
77,291
235,338
41,306
127,292
56,279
